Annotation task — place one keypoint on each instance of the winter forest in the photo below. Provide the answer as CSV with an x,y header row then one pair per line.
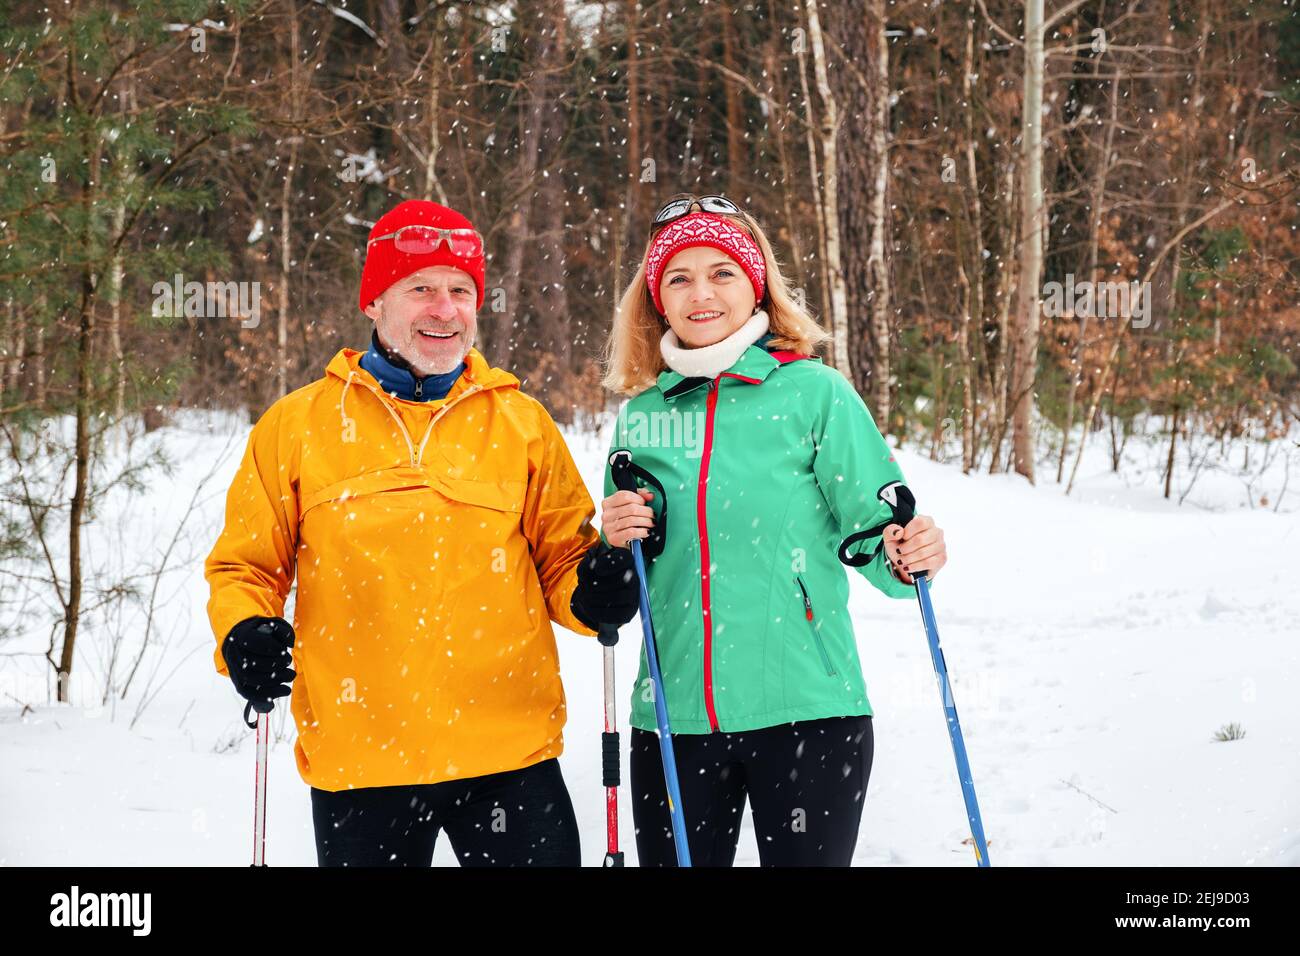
x,y
1056,244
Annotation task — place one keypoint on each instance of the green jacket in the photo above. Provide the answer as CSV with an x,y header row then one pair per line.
x,y
766,468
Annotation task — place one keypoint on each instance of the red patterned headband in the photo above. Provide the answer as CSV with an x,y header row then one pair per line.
x,y
704,229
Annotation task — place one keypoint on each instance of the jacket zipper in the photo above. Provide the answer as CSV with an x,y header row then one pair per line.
x,y
701,508
701,520
416,456
808,613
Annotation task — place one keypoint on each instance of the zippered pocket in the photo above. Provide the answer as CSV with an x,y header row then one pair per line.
x,y
808,614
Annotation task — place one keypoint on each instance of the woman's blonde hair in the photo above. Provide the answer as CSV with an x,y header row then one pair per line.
x,y
632,357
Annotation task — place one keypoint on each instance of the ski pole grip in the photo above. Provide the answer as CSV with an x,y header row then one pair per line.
x,y
607,634
625,476
264,707
620,469
609,758
902,509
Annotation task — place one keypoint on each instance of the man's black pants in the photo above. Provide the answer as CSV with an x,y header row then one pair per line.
x,y
515,818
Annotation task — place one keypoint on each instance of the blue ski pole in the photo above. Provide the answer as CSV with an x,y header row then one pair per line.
x,y
954,725
621,470
902,505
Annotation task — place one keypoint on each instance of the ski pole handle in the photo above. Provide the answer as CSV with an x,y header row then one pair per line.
x,y
261,706
625,475
620,470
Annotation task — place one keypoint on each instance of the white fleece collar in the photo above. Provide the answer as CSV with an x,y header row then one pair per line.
x,y
710,360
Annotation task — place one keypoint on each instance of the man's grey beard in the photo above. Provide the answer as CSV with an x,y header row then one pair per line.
x,y
441,371
425,370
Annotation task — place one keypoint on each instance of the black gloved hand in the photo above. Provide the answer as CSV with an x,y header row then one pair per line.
x,y
607,591
257,655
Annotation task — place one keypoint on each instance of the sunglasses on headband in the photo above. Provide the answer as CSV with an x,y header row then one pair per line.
x,y
677,208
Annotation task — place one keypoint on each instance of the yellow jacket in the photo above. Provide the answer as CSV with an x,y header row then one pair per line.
x,y
434,542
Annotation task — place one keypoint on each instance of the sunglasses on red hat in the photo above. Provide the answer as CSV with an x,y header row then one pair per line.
x,y
677,208
420,240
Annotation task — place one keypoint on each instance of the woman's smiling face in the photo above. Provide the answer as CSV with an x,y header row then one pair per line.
x,y
706,294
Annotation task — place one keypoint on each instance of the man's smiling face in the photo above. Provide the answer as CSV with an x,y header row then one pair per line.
x,y
429,318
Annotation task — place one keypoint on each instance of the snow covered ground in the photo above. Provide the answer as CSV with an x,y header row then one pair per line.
x,y
1096,644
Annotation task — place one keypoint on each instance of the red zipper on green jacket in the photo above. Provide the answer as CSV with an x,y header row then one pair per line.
x,y
701,520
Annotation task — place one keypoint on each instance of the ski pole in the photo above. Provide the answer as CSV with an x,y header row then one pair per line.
x,y
259,781
609,749
902,505
621,470
954,725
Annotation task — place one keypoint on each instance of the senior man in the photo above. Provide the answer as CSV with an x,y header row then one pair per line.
x,y
437,525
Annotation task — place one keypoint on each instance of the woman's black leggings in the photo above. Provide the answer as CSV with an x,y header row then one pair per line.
x,y
514,818
806,782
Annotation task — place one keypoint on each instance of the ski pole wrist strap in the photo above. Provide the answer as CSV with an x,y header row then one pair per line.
x,y
624,472
902,507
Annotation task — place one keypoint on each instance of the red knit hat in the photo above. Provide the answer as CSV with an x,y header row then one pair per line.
x,y
704,229
385,264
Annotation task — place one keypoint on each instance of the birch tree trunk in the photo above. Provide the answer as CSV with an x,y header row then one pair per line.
x,y
1032,223
801,49
877,257
1002,293
971,273
839,319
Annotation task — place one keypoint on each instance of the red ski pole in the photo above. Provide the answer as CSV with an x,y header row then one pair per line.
x,y
609,752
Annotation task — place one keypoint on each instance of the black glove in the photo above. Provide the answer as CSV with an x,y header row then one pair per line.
x,y
257,655
607,591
